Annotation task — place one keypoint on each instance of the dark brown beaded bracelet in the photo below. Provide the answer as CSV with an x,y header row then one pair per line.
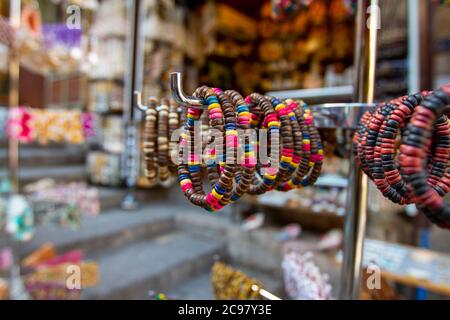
x,y
413,157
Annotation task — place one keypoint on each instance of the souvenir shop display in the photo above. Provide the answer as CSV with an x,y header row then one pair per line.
x,y
105,97
231,284
228,41
45,276
412,168
49,125
62,204
297,165
297,47
19,218
104,168
85,198
161,120
303,279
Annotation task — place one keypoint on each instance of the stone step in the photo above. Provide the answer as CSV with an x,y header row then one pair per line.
x,y
106,231
199,288
110,198
43,157
158,264
58,173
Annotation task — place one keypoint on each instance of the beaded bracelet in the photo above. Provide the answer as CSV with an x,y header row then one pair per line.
x,y
149,137
272,175
163,141
189,175
308,162
174,122
413,156
380,147
245,176
376,149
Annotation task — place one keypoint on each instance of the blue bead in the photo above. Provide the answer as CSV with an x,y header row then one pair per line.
x,y
195,168
218,189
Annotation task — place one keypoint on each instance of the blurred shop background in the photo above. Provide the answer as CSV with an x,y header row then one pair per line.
x,y
68,62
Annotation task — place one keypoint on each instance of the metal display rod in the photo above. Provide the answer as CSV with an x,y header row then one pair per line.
x,y
133,82
367,20
328,115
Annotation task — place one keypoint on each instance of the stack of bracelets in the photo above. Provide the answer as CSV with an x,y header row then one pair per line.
x,y
404,148
161,121
230,156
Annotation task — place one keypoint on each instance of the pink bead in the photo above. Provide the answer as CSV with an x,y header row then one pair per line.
x,y
215,116
186,187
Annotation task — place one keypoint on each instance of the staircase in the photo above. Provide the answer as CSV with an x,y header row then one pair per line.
x,y
155,248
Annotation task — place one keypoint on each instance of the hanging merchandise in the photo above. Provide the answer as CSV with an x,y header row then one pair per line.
x,y
48,125
46,276
414,168
104,168
231,284
161,122
75,197
19,124
230,152
303,279
56,126
20,221
31,19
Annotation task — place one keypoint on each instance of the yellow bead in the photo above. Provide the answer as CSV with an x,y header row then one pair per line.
x,y
213,106
216,195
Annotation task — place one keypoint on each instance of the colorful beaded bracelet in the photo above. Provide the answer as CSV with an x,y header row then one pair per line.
x,y
272,175
244,176
308,156
189,175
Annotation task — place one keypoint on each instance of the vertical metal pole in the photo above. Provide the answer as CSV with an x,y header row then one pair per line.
x,y
367,24
14,70
420,45
133,82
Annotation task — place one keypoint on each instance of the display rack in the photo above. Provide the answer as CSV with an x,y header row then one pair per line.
x,y
340,116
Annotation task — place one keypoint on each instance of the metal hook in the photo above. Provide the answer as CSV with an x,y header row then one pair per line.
x,y
179,96
138,101
264,293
